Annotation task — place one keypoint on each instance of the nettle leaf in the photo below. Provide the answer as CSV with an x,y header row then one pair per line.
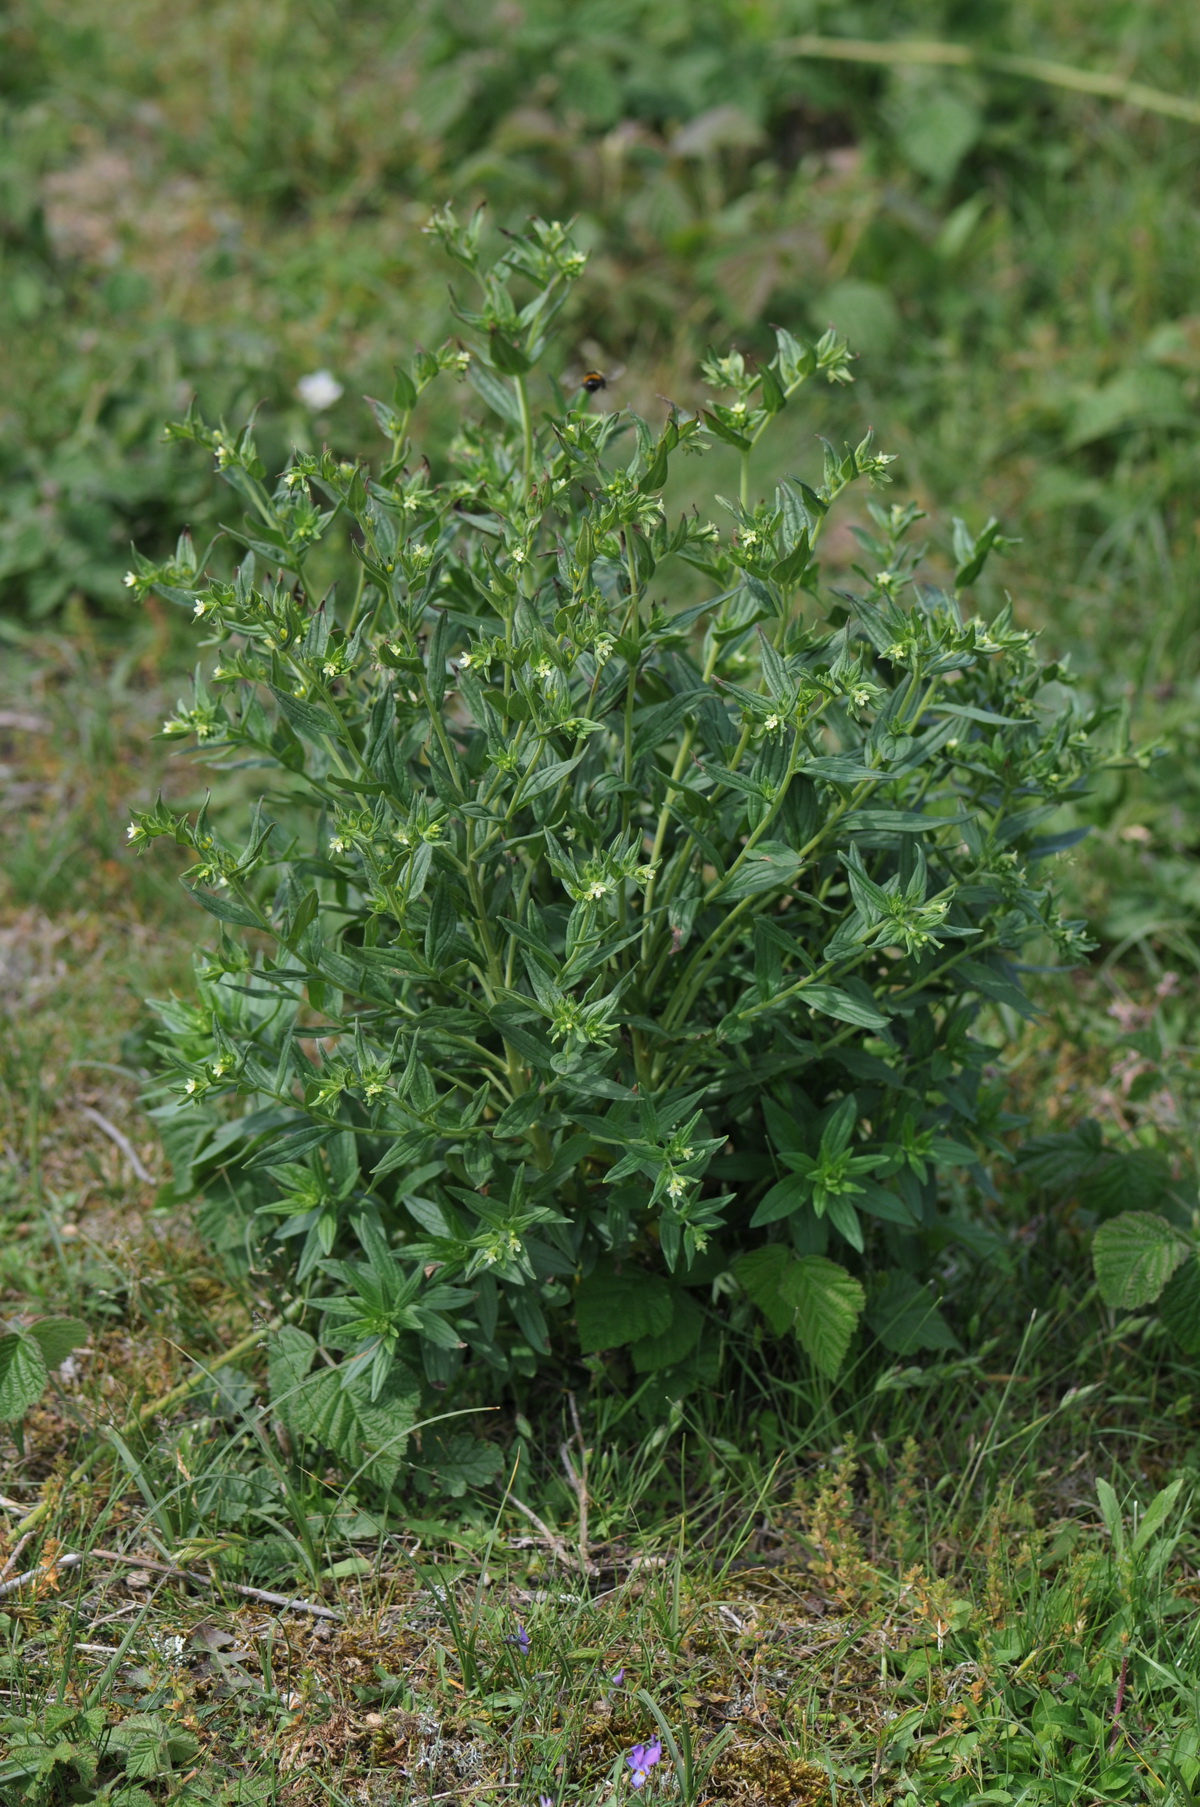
x,y
613,1309
761,1273
1179,1306
152,1745
458,1462
56,1337
1135,1255
333,1408
674,1343
23,1375
828,1303
905,1317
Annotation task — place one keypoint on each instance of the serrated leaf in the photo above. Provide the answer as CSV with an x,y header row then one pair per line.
x,y
461,1461
333,1408
1179,1306
761,1273
904,1317
23,1375
1134,1256
614,1309
828,1303
675,1342
56,1337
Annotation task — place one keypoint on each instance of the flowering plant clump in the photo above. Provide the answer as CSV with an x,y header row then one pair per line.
x,y
599,969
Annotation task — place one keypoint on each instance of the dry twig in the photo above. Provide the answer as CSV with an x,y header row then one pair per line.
x,y
121,1139
175,1574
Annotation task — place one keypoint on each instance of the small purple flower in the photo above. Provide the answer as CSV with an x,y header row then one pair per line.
x,y
618,1679
545,1801
520,1637
641,1761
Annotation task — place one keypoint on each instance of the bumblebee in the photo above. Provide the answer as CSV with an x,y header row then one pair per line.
x,y
592,380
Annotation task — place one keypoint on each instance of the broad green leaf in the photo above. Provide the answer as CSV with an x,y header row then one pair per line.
x,y
612,1309
460,1461
1179,1306
904,1317
56,1337
828,1303
675,1342
152,1744
764,869
1135,1255
23,1376
761,1272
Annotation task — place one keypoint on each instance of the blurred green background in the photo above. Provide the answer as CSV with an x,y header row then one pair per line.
x,y
221,199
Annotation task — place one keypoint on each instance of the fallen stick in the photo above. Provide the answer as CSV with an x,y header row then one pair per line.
x,y
121,1139
73,1560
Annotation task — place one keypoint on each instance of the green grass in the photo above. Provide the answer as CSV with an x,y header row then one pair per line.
x,y
913,1586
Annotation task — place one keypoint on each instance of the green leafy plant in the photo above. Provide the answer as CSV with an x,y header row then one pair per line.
x,y
604,958
77,1754
27,1354
1143,1257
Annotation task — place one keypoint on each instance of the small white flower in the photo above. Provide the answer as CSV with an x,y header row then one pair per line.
x,y
131,833
676,1186
597,889
191,1086
131,580
320,389
543,670
771,723
466,661
861,698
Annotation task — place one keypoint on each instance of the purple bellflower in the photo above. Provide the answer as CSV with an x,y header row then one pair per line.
x,y
641,1761
520,1637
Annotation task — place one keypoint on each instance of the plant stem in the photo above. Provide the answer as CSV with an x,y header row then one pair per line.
x,y
960,56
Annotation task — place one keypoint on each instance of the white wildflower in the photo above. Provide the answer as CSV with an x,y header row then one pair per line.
x,y
319,389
